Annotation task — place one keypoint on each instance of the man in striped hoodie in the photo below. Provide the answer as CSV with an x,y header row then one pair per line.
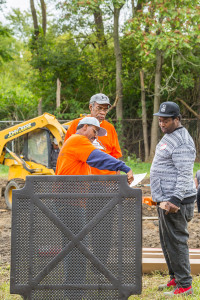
x,y
172,187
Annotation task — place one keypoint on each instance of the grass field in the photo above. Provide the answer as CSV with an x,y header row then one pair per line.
x,y
3,171
141,167
150,285
137,167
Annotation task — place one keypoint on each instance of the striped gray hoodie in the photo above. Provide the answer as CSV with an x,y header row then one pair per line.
x,y
171,174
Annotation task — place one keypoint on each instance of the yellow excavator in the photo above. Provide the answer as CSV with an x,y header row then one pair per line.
x,y
26,149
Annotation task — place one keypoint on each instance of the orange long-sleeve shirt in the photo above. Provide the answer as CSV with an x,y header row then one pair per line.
x,y
71,160
109,143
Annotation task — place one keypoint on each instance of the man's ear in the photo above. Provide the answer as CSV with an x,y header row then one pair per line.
x,y
177,120
85,127
90,107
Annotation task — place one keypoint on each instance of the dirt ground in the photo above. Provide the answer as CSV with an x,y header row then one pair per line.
x,y
150,227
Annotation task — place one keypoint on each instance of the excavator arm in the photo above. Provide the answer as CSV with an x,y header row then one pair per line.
x,y
22,162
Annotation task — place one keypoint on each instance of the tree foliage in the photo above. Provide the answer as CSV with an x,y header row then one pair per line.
x,y
6,49
75,44
171,27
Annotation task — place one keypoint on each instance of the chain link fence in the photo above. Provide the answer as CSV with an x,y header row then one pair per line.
x,y
130,134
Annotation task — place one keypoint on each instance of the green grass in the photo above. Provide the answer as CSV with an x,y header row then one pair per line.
x,y
150,285
4,171
136,166
141,167
196,168
5,284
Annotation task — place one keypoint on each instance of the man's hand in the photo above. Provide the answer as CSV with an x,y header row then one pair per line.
x,y
171,208
130,177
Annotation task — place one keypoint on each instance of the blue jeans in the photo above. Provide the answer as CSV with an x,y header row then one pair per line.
x,y
173,238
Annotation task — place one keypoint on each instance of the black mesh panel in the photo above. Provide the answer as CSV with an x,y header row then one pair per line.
x,y
76,237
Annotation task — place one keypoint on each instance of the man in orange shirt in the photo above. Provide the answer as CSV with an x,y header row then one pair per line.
x,y
78,154
76,157
99,105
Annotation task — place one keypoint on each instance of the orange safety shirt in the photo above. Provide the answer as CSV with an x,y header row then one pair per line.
x,y
108,144
73,156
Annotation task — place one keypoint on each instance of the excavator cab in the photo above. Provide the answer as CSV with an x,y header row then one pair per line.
x,y
34,149
37,147
26,149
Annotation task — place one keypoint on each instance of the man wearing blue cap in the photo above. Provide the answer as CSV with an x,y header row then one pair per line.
x,y
172,187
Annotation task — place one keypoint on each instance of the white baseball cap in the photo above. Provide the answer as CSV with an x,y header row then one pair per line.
x,y
55,141
95,122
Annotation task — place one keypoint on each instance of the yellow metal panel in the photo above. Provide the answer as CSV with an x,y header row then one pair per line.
x,y
17,171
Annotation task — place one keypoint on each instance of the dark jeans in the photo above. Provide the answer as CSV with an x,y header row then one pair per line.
x,y
173,238
198,199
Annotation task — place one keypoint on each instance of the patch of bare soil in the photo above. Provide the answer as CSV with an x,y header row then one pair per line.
x,y
150,230
150,226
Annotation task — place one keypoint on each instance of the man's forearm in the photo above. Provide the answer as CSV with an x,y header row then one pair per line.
x,y
102,161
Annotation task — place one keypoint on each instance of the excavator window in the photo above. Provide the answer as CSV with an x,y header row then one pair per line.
x,y
16,146
37,147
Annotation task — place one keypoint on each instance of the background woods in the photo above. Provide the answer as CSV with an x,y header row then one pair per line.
x,y
57,54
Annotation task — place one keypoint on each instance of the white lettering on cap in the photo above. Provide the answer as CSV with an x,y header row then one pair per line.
x,y
163,108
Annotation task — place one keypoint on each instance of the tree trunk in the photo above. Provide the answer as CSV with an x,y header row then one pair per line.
x,y
44,16
40,107
99,27
144,117
154,127
58,93
34,15
133,8
118,56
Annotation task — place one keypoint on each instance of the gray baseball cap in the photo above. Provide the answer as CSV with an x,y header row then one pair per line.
x,y
100,99
95,122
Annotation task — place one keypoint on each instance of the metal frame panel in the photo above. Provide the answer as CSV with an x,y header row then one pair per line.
x,y
76,237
